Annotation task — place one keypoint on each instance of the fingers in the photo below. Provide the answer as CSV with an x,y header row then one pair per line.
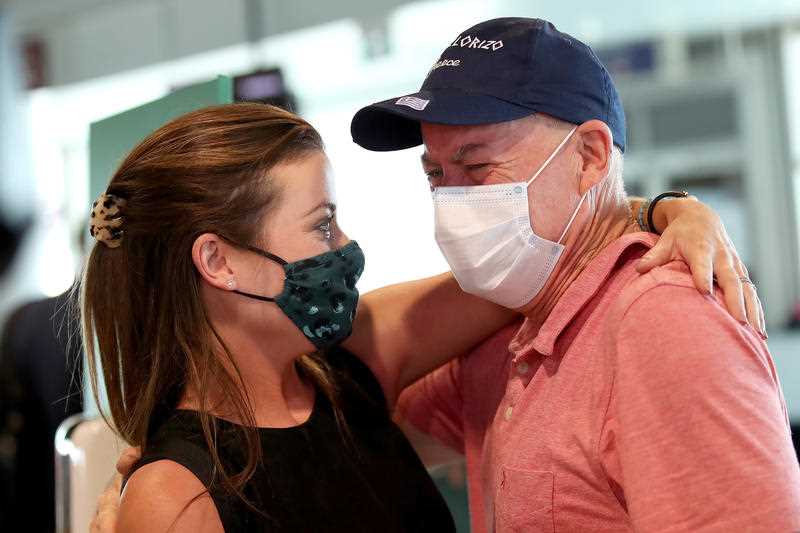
x,y
699,255
755,311
762,318
104,522
660,254
750,306
731,285
128,459
114,484
702,270
105,518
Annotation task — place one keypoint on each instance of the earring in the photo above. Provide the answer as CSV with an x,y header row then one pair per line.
x,y
231,283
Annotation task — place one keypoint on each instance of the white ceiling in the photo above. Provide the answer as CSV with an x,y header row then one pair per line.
x,y
91,38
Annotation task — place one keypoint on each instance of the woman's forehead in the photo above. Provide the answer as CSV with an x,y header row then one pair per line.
x,y
305,184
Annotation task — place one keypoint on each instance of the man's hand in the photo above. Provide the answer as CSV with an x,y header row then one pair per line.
x,y
105,519
127,459
694,233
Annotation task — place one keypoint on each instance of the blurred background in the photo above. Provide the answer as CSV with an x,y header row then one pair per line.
x,y
711,91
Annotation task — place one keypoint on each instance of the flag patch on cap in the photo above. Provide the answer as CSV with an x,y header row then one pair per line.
x,y
413,102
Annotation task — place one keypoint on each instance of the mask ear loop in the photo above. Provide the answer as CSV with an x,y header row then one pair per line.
x,y
544,166
572,219
262,253
553,155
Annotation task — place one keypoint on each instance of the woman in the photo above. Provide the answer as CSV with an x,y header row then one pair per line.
x,y
204,346
218,291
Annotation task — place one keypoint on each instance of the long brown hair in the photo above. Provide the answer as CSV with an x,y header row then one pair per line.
x,y
204,172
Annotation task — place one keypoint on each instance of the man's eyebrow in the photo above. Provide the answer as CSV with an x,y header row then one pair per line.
x,y
462,152
322,205
458,157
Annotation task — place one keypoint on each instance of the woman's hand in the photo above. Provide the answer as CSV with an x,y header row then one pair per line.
x,y
105,518
693,232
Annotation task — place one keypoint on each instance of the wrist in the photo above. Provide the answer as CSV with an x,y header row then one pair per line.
x,y
665,209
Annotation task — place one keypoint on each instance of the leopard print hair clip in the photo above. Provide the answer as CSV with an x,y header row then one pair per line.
x,y
105,224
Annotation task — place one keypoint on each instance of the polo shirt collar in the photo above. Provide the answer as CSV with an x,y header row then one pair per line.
x,y
591,280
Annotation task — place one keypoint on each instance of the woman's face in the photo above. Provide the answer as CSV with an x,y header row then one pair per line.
x,y
301,224
303,221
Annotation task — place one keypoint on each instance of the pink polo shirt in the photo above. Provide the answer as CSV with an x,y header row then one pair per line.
x,y
640,405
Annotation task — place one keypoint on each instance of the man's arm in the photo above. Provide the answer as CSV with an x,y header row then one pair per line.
x,y
697,427
430,413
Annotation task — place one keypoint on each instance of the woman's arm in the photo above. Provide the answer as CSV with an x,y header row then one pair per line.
x,y
165,496
404,331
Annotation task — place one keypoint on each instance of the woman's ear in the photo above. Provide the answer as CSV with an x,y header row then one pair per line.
x,y
594,147
211,258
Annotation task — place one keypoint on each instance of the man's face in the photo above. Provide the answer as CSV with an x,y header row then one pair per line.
x,y
508,152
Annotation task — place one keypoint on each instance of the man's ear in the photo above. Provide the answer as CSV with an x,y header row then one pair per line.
x,y
211,258
594,146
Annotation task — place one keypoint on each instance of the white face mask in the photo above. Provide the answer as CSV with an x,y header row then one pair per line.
x,y
485,234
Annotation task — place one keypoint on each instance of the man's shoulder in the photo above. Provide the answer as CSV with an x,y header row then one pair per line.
x,y
661,320
667,289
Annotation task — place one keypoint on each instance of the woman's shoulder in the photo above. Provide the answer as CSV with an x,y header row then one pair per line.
x,y
165,495
176,445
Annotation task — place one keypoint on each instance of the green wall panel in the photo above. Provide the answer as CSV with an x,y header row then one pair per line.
x,y
112,138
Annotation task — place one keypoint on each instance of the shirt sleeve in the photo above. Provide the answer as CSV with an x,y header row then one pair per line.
x,y
434,405
697,435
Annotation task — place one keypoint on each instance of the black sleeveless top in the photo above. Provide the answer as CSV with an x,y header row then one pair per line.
x,y
310,480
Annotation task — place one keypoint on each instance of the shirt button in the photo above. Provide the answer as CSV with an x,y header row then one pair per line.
x,y
509,412
523,368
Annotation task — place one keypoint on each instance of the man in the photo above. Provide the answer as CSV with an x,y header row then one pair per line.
x,y
623,401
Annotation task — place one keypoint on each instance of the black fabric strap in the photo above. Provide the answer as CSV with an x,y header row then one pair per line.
x,y
262,253
255,296
259,251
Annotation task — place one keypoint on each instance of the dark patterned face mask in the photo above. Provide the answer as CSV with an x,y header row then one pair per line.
x,y
319,294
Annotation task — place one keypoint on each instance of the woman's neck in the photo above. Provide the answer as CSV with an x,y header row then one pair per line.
x,y
268,378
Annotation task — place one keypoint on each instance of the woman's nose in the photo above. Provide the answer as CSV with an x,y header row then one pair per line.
x,y
341,239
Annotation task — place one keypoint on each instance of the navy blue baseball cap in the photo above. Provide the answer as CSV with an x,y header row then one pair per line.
x,y
496,71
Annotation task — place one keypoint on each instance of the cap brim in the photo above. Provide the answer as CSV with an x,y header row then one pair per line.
x,y
389,125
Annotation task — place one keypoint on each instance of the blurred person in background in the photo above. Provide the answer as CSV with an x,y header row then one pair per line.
x,y
40,386
9,243
625,400
218,291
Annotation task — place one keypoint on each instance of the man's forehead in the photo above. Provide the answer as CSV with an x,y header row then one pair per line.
x,y
458,142
459,153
